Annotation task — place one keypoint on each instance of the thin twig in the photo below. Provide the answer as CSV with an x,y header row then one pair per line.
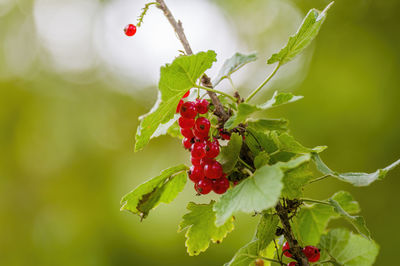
x,y
263,84
205,80
319,179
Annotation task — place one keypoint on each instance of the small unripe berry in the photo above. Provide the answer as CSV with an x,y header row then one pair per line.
x,y
198,150
213,170
187,133
202,106
259,262
202,125
203,186
212,149
130,30
188,110
221,185
186,122
285,250
196,173
178,107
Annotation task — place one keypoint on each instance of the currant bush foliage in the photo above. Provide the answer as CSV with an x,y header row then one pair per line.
x,y
265,165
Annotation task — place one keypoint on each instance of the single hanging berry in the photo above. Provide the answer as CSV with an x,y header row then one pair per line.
x,y
130,30
285,250
221,185
312,253
203,186
213,170
188,110
202,106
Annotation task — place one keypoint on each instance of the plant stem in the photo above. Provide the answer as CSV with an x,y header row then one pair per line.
x,y
295,249
319,179
316,201
205,80
243,162
216,91
263,84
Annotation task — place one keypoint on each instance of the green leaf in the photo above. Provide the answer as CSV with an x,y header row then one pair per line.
x,y
256,193
245,109
312,220
201,229
287,143
233,64
164,129
258,141
357,221
261,159
302,38
176,79
356,179
294,181
348,249
163,188
265,234
268,124
229,154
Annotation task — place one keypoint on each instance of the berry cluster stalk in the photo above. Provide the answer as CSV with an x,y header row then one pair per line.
x,y
223,117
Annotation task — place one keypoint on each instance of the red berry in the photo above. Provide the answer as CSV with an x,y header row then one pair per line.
x,y
196,173
196,161
212,149
202,125
187,143
187,133
213,170
188,110
201,136
312,253
202,106
205,161
130,30
293,263
186,94
221,185
178,108
203,186
198,150
185,122
285,250
224,135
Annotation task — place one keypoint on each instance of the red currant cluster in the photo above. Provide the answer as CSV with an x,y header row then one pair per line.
x,y
311,252
206,172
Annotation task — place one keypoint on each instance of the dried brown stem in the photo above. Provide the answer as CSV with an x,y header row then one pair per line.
x,y
295,249
205,80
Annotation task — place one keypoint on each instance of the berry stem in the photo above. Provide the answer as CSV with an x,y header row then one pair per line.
x,y
295,249
316,201
144,12
243,162
205,80
263,84
216,91
319,179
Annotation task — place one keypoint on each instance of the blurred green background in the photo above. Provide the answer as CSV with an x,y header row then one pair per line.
x,y
69,103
